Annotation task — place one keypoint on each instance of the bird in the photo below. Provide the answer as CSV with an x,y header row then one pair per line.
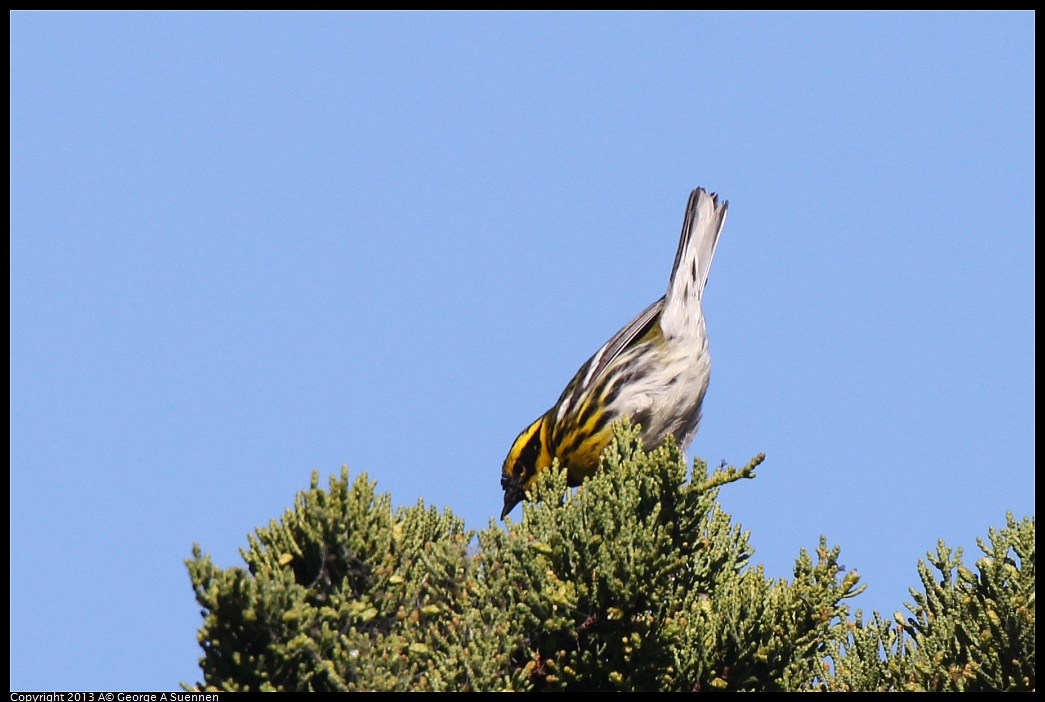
x,y
655,370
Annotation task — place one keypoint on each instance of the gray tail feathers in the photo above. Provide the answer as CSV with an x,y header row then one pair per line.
x,y
705,216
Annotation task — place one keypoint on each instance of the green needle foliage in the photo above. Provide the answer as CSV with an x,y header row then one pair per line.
x,y
969,631
636,581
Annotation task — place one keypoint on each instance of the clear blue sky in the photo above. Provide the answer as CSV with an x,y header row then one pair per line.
x,y
249,246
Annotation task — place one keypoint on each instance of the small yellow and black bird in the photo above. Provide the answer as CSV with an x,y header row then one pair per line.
x,y
656,370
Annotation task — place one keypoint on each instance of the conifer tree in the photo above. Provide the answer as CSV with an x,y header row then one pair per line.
x,y
637,581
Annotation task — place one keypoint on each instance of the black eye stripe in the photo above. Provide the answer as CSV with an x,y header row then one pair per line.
x,y
527,460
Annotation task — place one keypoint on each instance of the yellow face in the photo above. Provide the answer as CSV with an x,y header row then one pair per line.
x,y
530,453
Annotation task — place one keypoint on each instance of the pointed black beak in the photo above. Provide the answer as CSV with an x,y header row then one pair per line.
x,y
513,494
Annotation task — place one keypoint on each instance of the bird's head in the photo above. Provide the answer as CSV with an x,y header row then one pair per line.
x,y
529,454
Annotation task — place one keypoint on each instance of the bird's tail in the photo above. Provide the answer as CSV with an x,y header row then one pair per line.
x,y
705,216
